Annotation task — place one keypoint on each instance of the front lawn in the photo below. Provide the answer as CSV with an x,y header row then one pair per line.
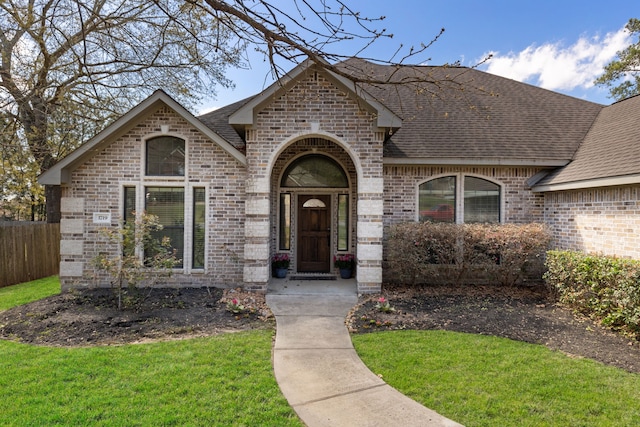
x,y
224,380
23,293
488,381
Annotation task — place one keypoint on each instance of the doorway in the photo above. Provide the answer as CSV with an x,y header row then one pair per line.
x,y
314,233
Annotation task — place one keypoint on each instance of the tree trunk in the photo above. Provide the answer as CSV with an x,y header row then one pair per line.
x,y
53,194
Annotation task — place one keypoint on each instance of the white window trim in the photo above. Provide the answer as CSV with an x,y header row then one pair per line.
x,y
143,157
172,181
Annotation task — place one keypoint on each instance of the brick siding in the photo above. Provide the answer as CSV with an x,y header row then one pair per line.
x,y
599,220
521,205
96,186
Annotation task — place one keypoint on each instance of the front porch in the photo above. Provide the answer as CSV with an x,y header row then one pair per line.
x,y
312,284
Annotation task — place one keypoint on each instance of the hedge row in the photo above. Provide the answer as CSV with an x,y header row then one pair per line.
x,y
604,288
442,253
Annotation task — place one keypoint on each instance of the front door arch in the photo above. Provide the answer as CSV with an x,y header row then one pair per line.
x,y
316,226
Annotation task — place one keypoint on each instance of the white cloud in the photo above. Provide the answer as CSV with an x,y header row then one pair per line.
x,y
555,66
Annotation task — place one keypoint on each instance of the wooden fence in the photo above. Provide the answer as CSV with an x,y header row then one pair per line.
x,y
28,251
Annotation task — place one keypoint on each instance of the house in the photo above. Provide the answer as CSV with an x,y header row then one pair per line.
x,y
316,166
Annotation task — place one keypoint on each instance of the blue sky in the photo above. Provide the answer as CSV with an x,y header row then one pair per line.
x,y
561,45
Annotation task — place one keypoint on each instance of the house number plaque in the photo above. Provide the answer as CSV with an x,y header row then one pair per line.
x,y
102,217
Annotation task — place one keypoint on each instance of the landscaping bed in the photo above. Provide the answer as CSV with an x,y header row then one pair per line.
x,y
91,317
519,313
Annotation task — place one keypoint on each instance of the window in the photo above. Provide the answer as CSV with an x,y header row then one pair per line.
x,y
165,156
129,218
343,222
167,203
199,221
438,200
481,200
129,204
285,221
315,171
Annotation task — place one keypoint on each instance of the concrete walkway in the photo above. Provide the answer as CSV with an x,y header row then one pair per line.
x,y
318,369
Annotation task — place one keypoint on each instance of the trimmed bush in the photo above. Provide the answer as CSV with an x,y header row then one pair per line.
x,y
604,288
442,253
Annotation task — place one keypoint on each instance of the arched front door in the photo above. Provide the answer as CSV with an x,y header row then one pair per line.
x,y
314,233
314,212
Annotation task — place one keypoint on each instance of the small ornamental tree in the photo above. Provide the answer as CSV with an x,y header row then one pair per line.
x,y
136,257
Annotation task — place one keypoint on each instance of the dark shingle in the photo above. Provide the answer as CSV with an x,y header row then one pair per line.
x,y
610,149
471,114
218,121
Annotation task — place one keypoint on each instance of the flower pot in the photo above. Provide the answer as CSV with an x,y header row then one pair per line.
x,y
345,273
280,273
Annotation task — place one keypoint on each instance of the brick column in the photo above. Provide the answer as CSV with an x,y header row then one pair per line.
x,y
369,231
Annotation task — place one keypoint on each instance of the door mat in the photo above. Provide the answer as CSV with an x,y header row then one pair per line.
x,y
319,277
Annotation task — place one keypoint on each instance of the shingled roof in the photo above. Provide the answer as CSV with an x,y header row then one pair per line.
x,y
467,117
471,115
610,152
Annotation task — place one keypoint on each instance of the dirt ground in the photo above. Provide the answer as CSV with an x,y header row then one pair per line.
x,y
91,317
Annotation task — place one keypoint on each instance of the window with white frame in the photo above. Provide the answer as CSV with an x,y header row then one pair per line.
x,y
459,198
165,156
165,193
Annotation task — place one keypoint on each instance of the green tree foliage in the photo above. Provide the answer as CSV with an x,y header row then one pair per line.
x,y
133,257
622,76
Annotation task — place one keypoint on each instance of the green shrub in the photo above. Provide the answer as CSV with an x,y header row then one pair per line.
x,y
438,253
604,288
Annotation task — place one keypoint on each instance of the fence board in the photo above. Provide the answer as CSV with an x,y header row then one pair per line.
x,y
28,251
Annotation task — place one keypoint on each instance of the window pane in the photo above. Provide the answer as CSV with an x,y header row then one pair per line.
x,y
481,200
437,200
285,221
165,156
343,222
199,222
314,171
129,204
168,205
129,218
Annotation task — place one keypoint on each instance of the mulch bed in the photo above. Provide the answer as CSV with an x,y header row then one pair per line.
x,y
91,317
523,314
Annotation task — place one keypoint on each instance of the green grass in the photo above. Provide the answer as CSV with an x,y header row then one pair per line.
x,y
225,380
24,293
488,381
218,381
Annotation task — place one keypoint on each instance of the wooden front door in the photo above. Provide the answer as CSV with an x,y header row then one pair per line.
x,y
314,233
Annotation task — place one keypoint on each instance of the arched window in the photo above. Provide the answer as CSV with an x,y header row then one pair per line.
x,y
481,200
165,156
437,200
314,171
450,199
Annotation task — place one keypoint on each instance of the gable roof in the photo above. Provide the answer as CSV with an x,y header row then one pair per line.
x,y
60,173
245,115
473,117
467,117
609,154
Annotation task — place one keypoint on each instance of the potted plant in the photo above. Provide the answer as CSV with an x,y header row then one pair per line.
x,y
280,265
345,263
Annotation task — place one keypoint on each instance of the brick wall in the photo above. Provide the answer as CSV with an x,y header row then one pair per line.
x,y
96,186
305,146
401,183
315,110
599,220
